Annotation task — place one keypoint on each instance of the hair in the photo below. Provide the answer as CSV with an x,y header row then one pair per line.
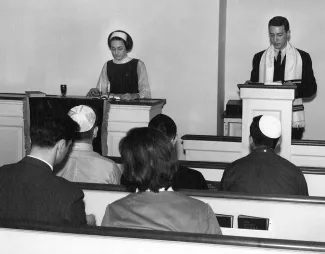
x,y
280,21
165,124
258,137
128,43
148,160
49,130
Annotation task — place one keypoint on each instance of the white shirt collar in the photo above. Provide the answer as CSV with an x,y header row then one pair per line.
x,y
41,160
283,51
82,146
124,60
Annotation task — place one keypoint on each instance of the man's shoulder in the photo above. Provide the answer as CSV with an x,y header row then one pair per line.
x,y
303,54
62,185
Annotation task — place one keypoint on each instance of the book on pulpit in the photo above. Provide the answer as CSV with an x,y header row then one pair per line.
x,y
35,94
249,222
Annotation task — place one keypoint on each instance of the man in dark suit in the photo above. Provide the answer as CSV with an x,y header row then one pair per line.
x,y
28,189
263,171
284,63
184,178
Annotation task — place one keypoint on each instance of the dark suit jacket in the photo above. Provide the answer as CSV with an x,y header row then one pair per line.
x,y
264,172
184,178
30,192
308,86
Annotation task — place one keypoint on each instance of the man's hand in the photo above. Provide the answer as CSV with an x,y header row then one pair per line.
x,y
91,220
93,92
289,83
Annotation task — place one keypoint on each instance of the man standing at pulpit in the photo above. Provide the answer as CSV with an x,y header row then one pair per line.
x,y
289,65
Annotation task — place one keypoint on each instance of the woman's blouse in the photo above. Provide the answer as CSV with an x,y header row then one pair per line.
x,y
166,210
104,81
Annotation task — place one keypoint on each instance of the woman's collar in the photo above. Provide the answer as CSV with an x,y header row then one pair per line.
x,y
123,61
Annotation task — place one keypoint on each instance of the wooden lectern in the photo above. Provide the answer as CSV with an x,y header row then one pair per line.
x,y
275,100
125,115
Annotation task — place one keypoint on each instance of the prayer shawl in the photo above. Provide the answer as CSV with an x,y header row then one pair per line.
x,y
293,71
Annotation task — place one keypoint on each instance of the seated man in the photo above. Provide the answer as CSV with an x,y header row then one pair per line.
x,y
263,171
184,178
83,164
28,189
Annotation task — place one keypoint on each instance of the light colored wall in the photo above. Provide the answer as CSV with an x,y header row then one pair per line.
x,y
247,34
46,43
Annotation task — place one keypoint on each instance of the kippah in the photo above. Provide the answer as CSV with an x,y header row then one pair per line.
x,y
84,116
270,126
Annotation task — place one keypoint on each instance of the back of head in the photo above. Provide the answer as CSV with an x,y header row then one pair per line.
x,y
165,124
148,160
280,21
265,131
85,117
48,131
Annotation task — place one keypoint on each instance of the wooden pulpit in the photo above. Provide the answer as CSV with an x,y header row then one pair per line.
x,y
275,100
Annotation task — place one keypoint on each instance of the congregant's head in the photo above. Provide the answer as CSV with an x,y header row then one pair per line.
x,y
165,124
148,160
52,136
265,131
279,32
86,118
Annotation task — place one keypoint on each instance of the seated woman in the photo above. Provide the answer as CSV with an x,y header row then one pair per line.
x,y
147,156
123,77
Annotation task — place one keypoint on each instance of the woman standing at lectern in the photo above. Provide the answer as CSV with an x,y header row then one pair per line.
x,y
124,77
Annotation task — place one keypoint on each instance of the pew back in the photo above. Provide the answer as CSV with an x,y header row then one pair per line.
x,y
213,171
294,218
51,239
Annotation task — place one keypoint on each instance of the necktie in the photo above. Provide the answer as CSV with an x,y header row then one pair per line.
x,y
278,59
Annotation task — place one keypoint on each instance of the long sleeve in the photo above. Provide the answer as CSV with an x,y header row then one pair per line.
x,y
75,214
143,82
256,67
213,225
308,86
103,84
106,222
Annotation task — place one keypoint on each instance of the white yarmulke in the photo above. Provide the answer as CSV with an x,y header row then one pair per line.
x,y
84,116
270,126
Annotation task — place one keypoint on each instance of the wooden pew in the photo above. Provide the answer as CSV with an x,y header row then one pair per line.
x,y
290,217
213,171
40,238
307,153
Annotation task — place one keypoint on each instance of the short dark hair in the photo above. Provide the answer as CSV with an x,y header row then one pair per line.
x,y
165,124
280,21
49,130
258,137
128,43
148,159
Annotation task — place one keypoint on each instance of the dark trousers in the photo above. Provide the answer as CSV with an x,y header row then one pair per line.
x,y
297,133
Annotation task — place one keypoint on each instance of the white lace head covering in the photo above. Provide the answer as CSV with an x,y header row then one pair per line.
x,y
84,116
270,126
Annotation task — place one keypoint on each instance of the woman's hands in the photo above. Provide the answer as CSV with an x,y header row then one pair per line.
x,y
93,92
129,96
